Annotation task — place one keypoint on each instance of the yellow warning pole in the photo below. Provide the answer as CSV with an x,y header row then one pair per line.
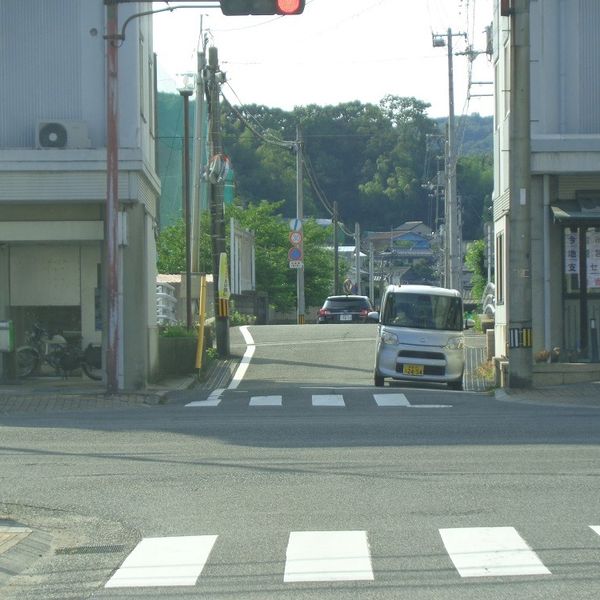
x,y
201,319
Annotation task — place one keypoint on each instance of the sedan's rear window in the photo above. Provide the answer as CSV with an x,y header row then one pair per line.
x,y
347,303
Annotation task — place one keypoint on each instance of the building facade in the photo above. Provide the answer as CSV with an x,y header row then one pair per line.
x,y
547,189
53,174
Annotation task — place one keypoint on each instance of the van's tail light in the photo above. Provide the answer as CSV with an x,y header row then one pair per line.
x,y
323,312
364,312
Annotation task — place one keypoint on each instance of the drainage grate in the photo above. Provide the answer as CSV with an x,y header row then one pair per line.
x,y
90,549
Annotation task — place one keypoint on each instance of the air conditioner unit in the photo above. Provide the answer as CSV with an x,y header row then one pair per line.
x,y
62,134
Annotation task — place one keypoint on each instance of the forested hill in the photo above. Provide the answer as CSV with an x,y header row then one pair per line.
x,y
474,133
374,160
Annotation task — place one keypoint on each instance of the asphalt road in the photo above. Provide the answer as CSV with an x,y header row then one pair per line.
x,y
302,481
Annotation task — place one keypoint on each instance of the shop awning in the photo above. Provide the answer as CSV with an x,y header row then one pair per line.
x,y
581,210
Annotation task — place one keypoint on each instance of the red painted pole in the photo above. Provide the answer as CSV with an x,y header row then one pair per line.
x,y
111,271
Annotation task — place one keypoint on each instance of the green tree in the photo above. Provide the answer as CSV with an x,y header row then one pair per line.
x,y
273,275
475,183
475,261
171,247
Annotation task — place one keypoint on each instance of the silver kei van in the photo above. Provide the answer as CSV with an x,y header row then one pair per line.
x,y
420,335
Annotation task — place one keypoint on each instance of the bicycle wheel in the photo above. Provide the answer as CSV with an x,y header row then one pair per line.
x,y
27,361
92,362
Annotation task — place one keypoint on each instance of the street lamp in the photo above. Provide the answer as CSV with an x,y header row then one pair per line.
x,y
186,89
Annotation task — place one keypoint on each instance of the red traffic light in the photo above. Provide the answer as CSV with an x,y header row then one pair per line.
x,y
262,7
289,7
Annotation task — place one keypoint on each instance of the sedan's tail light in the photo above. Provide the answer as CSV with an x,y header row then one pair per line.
x,y
323,312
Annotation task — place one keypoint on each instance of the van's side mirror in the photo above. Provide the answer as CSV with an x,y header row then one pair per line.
x,y
469,323
373,317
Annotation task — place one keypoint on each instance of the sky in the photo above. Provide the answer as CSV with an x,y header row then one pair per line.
x,y
336,51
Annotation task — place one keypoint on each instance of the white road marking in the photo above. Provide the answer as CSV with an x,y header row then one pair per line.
x,y
491,552
328,556
391,400
166,561
328,400
595,528
243,366
266,400
213,400
401,400
215,397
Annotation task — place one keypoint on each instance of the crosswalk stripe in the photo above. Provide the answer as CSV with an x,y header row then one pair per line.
x,y
382,400
491,552
328,556
213,400
266,400
164,561
391,400
328,400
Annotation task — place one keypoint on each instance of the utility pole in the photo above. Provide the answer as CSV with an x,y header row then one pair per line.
x,y
216,201
452,231
300,217
199,196
336,277
454,234
357,252
372,273
187,208
112,324
519,216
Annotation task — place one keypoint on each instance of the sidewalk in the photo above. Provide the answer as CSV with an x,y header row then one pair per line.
x,y
576,394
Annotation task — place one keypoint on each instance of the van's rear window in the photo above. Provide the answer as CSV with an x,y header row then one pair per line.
x,y
423,311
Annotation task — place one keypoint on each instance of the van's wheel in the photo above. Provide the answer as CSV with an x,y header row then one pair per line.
x,y
378,380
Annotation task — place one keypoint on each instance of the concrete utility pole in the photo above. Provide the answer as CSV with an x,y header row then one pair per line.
x,y
336,277
187,208
300,216
519,234
357,252
371,273
216,200
200,192
452,233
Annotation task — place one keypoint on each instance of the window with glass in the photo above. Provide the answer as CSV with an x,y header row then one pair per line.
x,y
423,311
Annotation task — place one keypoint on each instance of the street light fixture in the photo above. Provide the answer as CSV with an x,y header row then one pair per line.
x,y
186,89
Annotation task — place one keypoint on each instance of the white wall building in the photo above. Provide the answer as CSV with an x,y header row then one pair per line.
x,y
547,188
53,181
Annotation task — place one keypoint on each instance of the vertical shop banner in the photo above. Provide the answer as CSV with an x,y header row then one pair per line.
x,y
593,258
572,253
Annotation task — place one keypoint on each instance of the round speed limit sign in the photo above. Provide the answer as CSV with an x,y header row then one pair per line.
x,y
295,237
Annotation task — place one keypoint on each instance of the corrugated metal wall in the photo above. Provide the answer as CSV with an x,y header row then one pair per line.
x,y
35,85
569,184
589,26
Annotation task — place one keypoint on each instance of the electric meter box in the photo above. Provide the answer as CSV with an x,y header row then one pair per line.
x,y
7,336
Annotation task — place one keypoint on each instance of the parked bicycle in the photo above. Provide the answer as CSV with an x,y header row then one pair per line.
x,y
57,352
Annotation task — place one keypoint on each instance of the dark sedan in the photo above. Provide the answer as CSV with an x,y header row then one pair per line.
x,y
345,309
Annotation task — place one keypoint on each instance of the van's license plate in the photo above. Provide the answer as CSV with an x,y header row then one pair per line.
x,y
345,317
412,369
